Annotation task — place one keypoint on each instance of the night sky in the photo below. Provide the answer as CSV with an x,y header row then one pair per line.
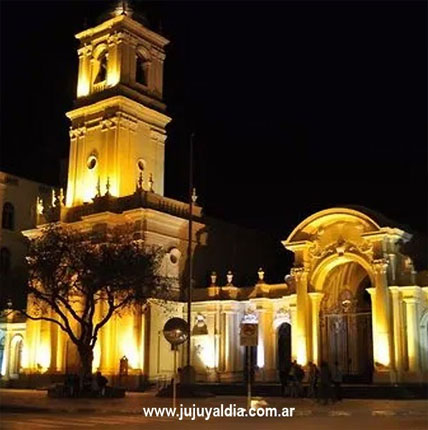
x,y
296,106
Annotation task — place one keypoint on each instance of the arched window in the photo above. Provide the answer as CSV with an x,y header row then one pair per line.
x,y
141,71
4,262
102,70
8,217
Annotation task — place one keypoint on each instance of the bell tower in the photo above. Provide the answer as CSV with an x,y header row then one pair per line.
x,y
117,133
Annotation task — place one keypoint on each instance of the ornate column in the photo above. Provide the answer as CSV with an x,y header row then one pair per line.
x,y
315,299
411,299
114,59
230,338
397,330
84,74
265,349
382,339
372,292
293,313
300,275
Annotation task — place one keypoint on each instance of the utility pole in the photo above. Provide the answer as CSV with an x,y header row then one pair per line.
x,y
192,200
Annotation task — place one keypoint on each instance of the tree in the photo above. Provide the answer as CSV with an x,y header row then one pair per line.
x,y
71,273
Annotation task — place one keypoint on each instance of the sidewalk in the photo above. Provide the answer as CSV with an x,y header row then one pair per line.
x,y
12,400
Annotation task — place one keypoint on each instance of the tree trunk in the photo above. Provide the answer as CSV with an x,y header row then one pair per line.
x,y
86,358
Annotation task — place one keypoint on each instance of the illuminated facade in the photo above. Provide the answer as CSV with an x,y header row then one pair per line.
x,y
352,297
20,201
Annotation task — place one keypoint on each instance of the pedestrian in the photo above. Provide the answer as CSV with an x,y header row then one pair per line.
x,y
337,381
313,380
325,392
283,377
294,387
300,375
75,385
101,383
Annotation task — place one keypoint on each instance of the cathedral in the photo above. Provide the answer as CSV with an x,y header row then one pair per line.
x,y
352,297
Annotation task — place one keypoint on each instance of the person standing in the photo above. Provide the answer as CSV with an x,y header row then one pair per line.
x,y
101,382
337,382
313,380
294,388
300,375
325,393
283,377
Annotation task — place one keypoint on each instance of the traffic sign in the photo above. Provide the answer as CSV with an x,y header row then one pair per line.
x,y
249,334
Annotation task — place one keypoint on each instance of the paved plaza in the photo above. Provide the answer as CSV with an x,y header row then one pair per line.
x,y
32,408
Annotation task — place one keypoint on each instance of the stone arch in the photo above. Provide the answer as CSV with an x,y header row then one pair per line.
x,y
319,274
311,224
332,246
100,50
142,65
346,316
99,63
282,316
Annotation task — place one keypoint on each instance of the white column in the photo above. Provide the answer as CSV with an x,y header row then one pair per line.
x,y
382,349
412,334
315,299
294,338
265,349
300,275
372,292
230,338
397,330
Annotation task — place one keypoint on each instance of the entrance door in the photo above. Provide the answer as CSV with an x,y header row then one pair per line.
x,y
347,340
284,347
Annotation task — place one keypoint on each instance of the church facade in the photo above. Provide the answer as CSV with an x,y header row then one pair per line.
x,y
352,296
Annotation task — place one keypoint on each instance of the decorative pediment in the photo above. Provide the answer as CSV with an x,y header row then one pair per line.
x,y
283,314
250,315
339,238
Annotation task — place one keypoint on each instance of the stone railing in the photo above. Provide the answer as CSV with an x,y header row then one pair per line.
x,y
140,199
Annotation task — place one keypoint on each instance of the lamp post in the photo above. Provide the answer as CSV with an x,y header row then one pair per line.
x,y
192,201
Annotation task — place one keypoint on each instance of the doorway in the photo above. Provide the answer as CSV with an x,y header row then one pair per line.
x,y
346,324
284,347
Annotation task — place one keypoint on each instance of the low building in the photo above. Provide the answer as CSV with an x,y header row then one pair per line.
x,y
20,201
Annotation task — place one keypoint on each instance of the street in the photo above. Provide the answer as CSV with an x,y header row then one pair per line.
x,y
32,409
11,421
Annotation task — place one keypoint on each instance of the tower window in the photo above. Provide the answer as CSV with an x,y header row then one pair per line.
x,y
92,162
8,217
102,71
141,164
140,74
4,261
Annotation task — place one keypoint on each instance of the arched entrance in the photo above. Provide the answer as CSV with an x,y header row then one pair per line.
x,y
16,346
284,347
346,322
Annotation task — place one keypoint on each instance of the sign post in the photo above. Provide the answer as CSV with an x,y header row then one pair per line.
x,y
174,381
249,338
176,332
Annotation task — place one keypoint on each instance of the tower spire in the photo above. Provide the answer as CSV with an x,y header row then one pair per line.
x,y
123,8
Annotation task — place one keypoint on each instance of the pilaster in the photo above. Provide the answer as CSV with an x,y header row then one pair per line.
x,y
315,299
411,298
397,325
300,275
383,347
